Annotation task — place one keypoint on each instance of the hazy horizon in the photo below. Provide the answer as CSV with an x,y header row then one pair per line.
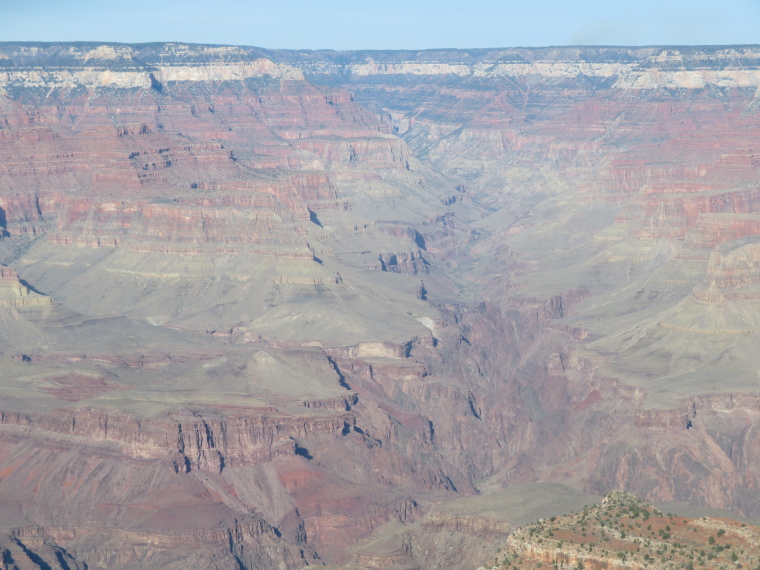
x,y
390,25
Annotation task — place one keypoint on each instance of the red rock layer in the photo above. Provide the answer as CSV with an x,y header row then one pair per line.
x,y
239,167
500,393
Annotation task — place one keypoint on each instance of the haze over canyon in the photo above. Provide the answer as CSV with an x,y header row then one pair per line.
x,y
269,309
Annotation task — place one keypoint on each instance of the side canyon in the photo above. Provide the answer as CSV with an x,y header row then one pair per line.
x,y
270,309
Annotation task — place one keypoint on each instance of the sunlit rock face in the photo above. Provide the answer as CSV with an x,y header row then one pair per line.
x,y
258,306
608,535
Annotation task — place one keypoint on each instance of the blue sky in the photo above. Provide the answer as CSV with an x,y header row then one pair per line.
x,y
390,24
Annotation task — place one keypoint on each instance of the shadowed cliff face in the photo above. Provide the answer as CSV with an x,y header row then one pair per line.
x,y
256,306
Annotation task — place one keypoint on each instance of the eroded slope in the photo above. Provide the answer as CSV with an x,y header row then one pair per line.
x,y
264,303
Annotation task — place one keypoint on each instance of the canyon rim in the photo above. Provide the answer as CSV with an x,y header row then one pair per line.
x,y
270,308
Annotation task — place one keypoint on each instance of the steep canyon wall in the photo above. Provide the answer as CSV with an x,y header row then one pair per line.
x,y
257,305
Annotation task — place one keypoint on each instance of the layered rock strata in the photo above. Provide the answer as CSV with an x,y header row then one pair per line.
x,y
300,296
625,532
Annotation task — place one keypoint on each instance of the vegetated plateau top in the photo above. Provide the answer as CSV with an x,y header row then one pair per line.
x,y
117,55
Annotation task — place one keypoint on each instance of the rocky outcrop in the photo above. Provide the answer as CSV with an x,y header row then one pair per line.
x,y
235,237
411,263
250,543
17,295
192,442
27,548
608,536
